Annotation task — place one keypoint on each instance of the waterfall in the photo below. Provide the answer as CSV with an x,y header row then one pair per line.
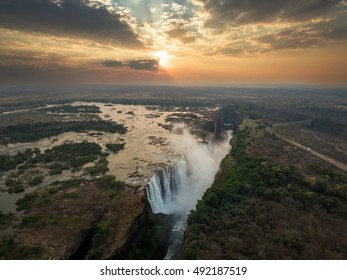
x,y
177,188
165,186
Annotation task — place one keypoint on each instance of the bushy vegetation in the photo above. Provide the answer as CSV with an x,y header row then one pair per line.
x,y
115,147
57,168
72,155
30,132
11,249
68,183
108,181
331,127
27,201
6,220
14,185
11,162
260,210
28,221
100,168
36,180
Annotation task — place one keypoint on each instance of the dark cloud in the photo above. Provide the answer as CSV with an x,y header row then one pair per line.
x,y
310,36
19,58
290,39
240,12
143,64
73,18
339,33
138,64
299,38
112,63
308,24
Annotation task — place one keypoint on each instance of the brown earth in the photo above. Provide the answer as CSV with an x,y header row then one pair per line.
x,y
64,220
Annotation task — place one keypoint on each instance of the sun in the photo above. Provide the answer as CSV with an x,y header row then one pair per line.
x,y
164,58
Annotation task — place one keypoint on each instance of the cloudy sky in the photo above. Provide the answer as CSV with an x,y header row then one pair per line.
x,y
203,42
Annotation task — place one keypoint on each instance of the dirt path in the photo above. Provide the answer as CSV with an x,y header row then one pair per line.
x,y
317,154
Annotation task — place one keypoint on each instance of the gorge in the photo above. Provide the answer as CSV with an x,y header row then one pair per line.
x,y
176,189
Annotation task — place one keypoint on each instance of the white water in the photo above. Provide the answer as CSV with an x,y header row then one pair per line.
x,y
165,186
177,188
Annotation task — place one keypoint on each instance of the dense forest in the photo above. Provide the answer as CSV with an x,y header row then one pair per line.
x,y
260,209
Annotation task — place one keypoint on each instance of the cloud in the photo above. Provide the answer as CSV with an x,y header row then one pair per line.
x,y
240,12
339,33
232,51
283,39
302,37
144,64
138,64
72,18
21,69
290,39
253,27
112,63
181,32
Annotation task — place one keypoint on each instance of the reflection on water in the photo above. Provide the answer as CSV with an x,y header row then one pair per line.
x,y
142,153
146,149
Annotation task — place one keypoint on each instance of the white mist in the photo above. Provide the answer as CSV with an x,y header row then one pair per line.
x,y
176,189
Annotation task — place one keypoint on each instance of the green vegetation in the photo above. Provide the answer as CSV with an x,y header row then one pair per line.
x,y
72,155
108,181
36,180
100,168
261,210
115,147
57,168
331,127
28,221
68,183
11,249
38,198
11,162
14,185
6,220
27,201
30,132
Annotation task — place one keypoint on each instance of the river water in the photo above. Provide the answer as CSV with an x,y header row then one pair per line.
x,y
148,146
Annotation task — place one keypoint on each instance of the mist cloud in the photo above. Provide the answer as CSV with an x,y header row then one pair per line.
x,y
203,163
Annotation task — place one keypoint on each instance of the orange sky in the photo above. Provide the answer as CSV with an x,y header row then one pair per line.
x,y
173,42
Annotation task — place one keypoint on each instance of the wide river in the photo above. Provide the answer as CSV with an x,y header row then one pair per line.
x,y
148,146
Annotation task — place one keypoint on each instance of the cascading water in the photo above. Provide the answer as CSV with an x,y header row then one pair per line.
x,y
177,188
165,186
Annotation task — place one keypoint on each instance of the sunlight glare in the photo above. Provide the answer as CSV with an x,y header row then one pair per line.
x,y
163,57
